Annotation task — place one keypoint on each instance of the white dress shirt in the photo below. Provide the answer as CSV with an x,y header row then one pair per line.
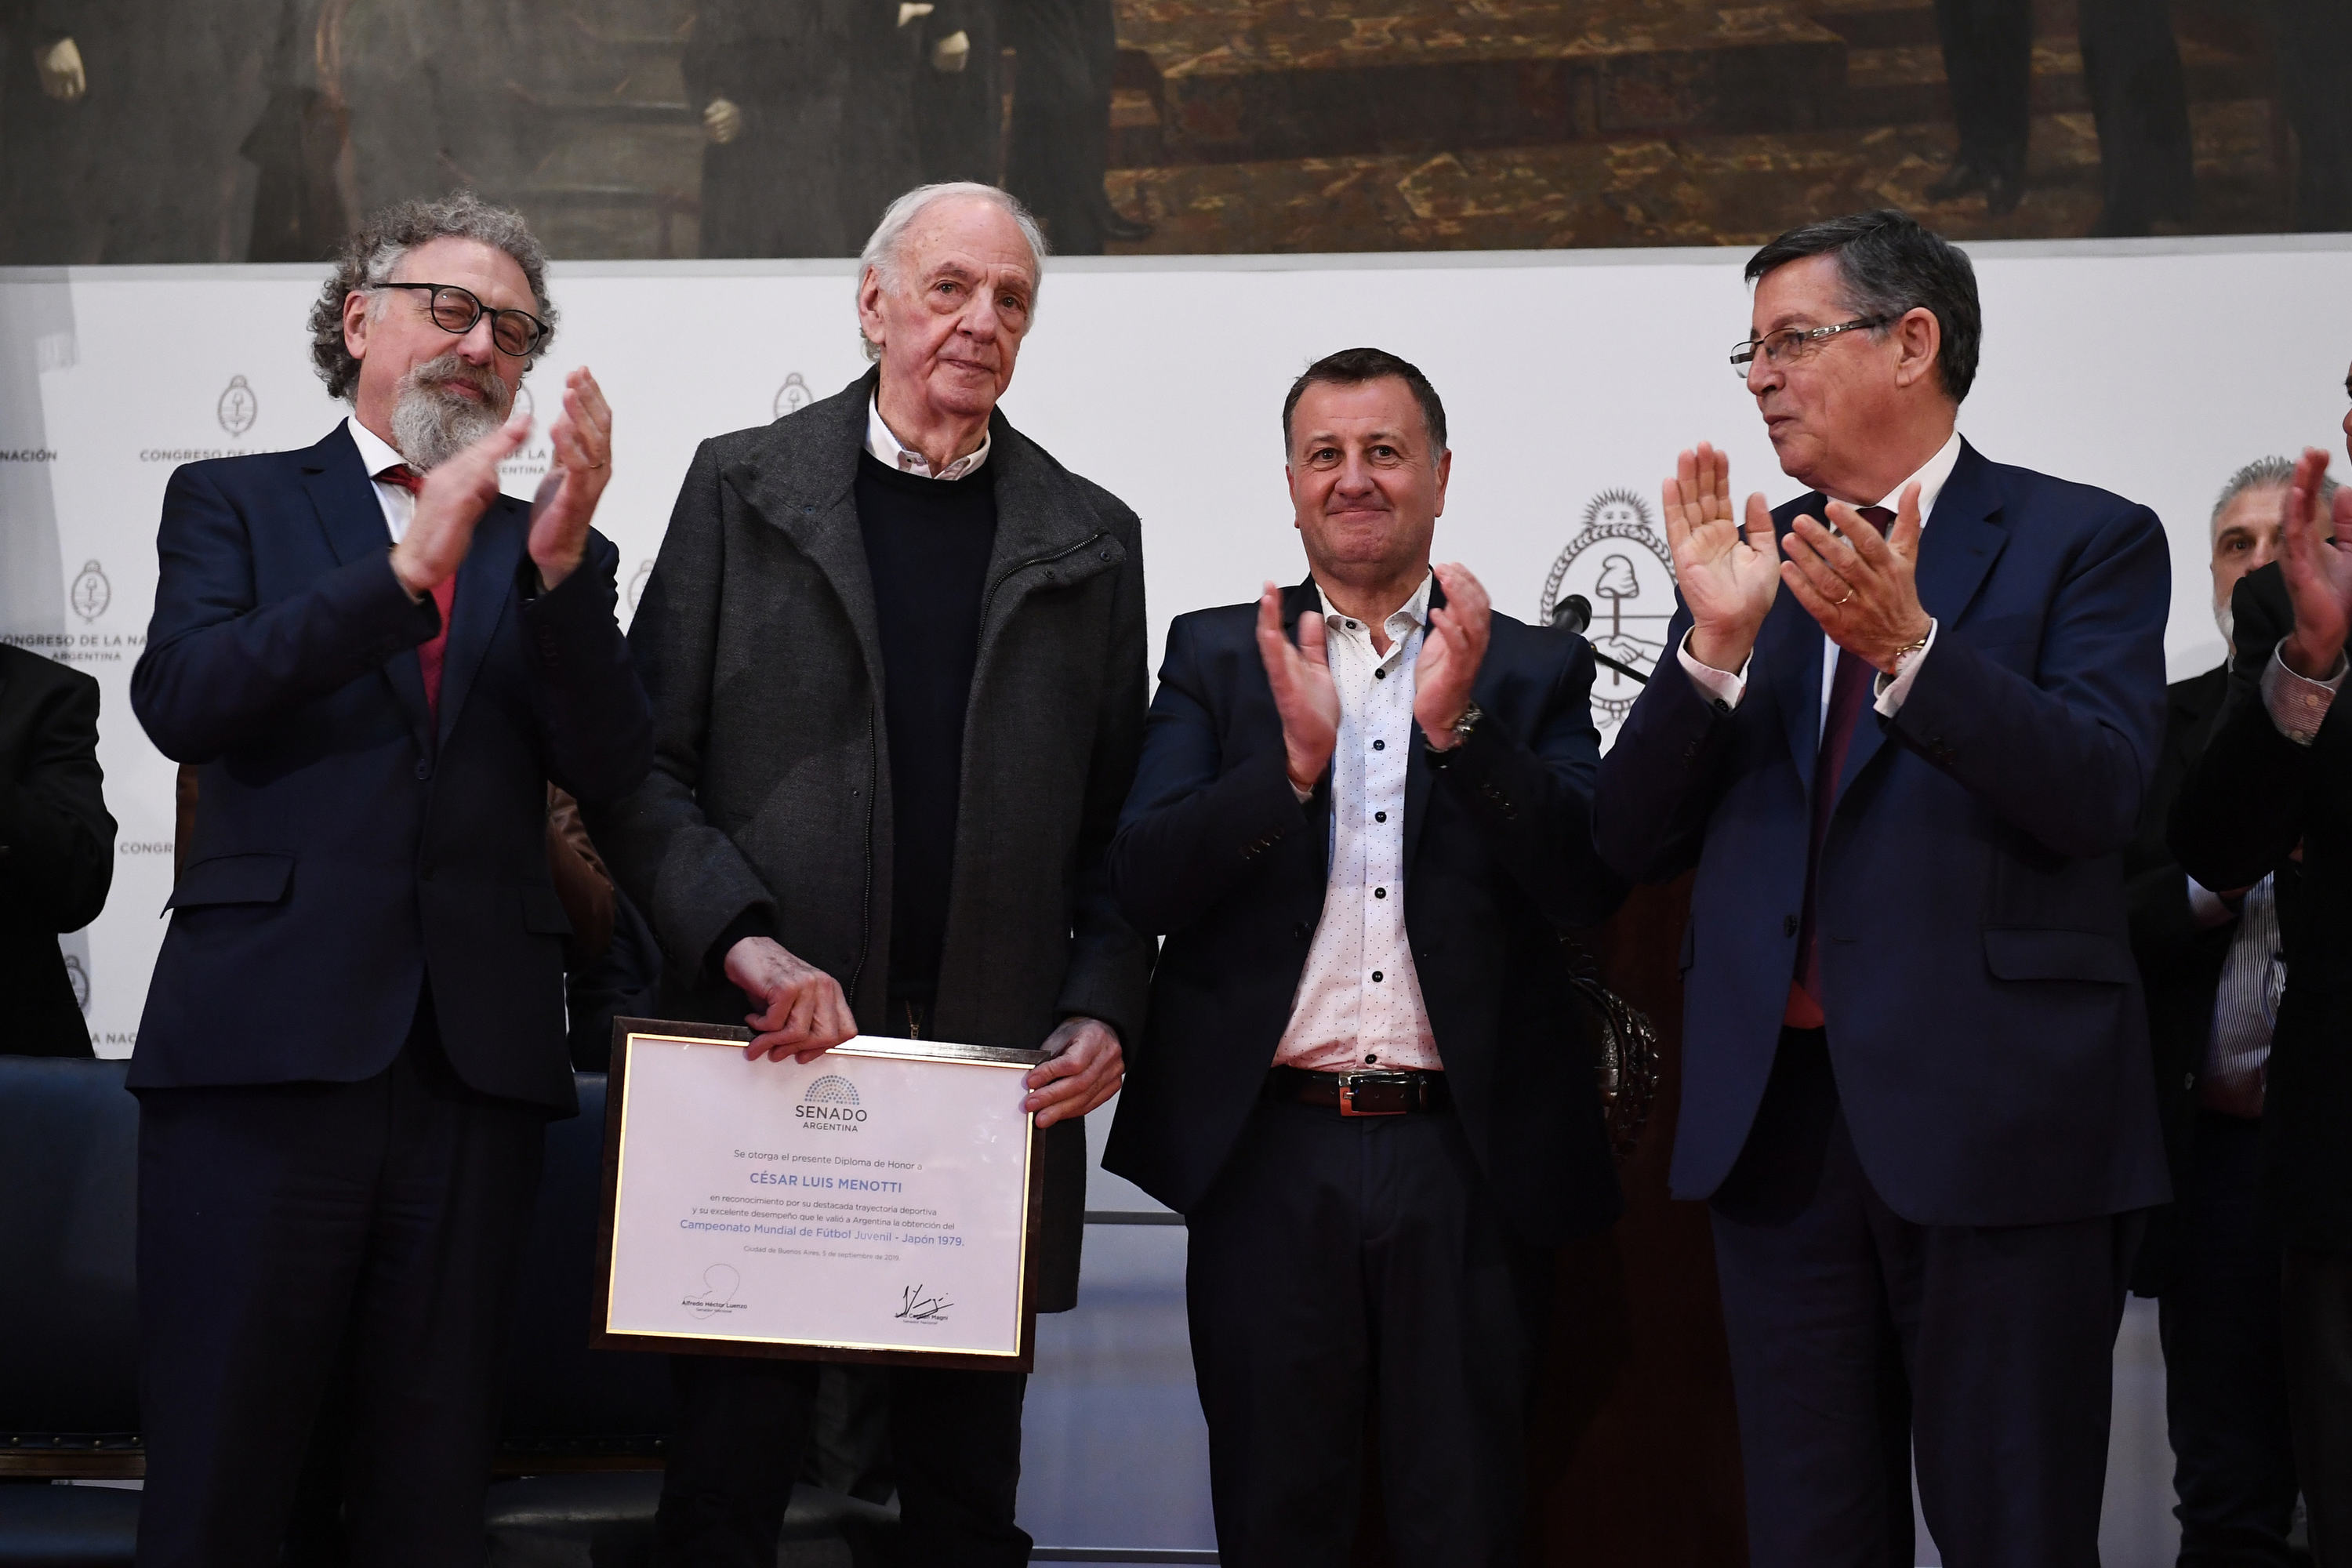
x,y
2245,1007
1358,1003
1728,687
2298,705
888,450
377,455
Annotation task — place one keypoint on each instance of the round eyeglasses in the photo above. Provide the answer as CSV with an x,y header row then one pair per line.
x,y
454,311
1791,344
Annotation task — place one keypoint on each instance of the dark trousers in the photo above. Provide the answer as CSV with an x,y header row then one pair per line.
x,y
2317,1288
1060,143
2225,1400
289,1230
1859,1338
2138,97
743,1433
2312,40
1347,1267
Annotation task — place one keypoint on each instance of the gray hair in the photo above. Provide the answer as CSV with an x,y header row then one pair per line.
x,y
2262,474
370,256
881,255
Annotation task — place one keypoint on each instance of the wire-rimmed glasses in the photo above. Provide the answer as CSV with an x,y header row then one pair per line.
x,y
1792,344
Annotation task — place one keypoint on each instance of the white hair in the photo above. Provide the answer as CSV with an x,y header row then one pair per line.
x,y
881,255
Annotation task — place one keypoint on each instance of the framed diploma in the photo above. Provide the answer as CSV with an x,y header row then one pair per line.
x,y
875,1205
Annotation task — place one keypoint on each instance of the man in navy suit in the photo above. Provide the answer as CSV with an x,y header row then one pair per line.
x,y
354,1034
1363,812
1916,1091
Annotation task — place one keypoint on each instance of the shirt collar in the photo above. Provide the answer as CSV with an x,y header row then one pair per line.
x,y
1408,618
1930,477
376,453
889,451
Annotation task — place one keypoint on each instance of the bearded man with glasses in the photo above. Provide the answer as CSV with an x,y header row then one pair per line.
x,y
354,1035
1917,1092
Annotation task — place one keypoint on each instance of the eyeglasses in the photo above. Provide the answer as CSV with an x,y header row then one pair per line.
x,y
454,311
1791,344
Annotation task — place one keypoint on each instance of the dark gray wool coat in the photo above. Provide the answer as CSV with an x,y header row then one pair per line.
x,y
757,640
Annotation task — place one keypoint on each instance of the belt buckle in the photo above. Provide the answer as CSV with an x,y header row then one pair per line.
x,y
1352,1083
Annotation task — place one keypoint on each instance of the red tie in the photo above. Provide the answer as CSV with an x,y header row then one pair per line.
x,y
1848,689
428,654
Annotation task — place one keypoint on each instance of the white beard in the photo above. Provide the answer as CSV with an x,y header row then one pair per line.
x,y
431,423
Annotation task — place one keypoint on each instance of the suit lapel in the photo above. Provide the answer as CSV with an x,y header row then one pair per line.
x,y
481,601
345,500
1305,599
1789,653
1957,547
1417,775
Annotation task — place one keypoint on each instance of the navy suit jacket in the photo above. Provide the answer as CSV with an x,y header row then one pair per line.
x,y
347,847
1984,1015
1215,851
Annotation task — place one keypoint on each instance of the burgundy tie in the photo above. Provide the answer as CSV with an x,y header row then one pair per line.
x,y
430,655
1849,691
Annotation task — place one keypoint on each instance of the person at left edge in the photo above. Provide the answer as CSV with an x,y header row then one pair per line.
x,y
895,655
57,846
354,1034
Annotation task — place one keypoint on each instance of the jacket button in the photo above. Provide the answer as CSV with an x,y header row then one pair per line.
x,y
1788,925
424,770
1106,555
1300,930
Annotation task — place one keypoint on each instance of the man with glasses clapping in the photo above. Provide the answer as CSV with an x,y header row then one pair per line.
x,y
354,1035
1916,1092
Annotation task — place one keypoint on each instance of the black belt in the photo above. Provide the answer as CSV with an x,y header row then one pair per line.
x,y
1360,1093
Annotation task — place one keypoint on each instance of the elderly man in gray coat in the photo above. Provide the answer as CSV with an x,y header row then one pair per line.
x,y
896,654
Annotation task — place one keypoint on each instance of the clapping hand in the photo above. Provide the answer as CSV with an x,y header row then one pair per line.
x,y
1727,574
1859,586
449,503
583,442
1303,692
1451,654
2318,565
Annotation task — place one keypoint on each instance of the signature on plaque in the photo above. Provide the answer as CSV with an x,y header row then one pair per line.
x,y
917,1308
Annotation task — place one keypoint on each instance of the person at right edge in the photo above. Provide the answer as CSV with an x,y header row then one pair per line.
x,y
1916,1094
2210,964
2265,800
1362,813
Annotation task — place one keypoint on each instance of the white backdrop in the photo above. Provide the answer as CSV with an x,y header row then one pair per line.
x,y
2151,368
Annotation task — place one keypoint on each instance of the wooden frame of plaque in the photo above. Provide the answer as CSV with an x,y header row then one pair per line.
x,y
601,1337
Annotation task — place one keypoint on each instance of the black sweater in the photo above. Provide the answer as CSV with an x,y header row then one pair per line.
x,y
926,546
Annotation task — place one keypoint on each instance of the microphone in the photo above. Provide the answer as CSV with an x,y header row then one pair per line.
x,y
1572,614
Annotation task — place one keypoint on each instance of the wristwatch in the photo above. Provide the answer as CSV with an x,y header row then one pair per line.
x,y
1462,728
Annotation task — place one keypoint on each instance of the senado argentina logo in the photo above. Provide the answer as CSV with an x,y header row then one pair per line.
x,y
829,1104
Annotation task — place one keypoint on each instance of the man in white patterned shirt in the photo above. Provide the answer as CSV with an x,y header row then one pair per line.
x,y
1361,1078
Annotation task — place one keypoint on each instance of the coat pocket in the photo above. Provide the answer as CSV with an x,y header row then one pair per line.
x,y
2090,955
261,876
